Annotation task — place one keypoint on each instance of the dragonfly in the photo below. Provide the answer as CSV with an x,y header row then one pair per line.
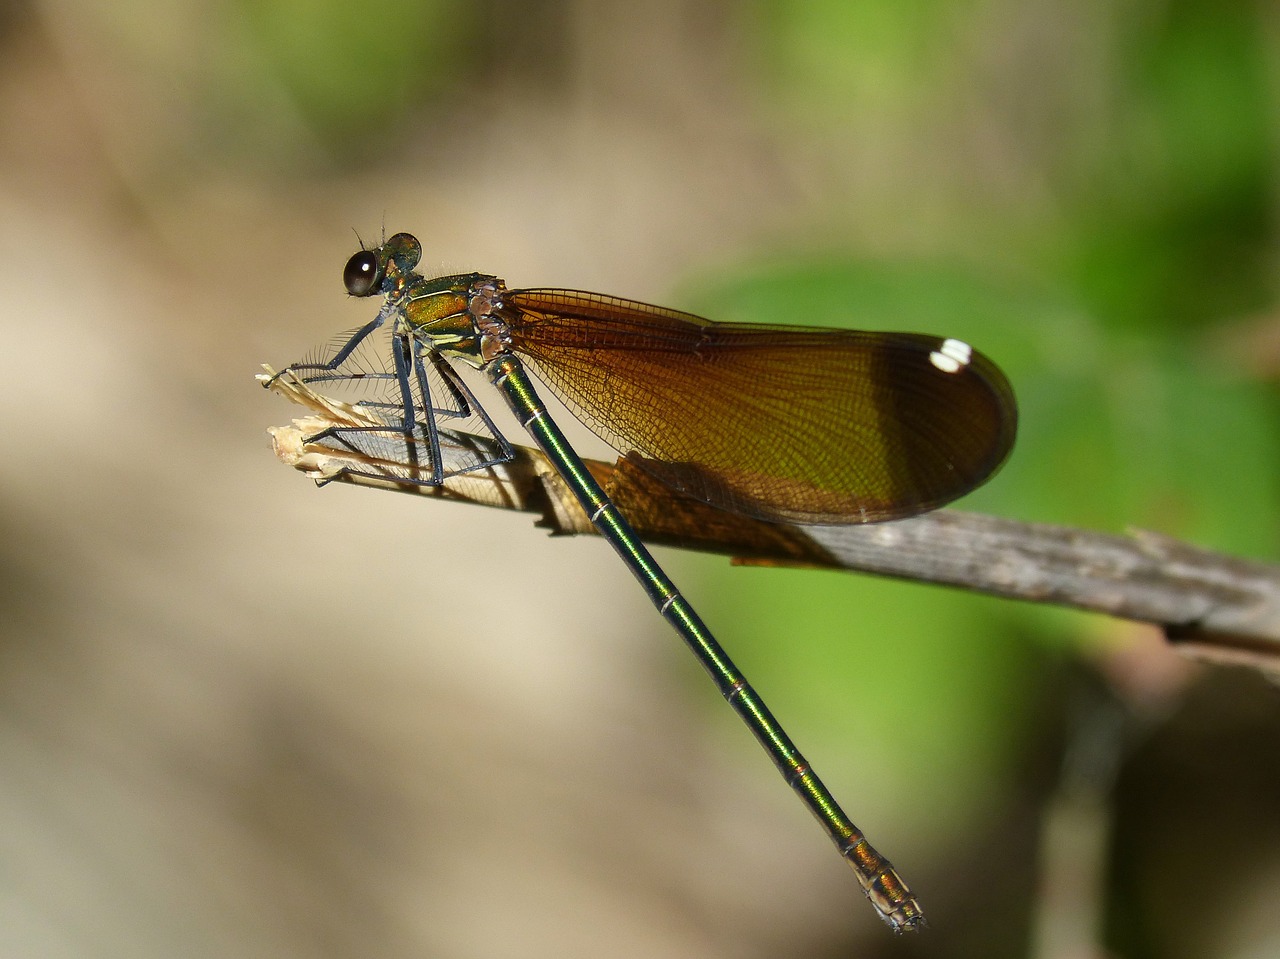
x,y
776,423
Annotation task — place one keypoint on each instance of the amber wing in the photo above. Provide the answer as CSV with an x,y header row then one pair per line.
x,y
780,423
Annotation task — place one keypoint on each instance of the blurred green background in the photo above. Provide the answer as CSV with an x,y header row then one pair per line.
x,y
239,716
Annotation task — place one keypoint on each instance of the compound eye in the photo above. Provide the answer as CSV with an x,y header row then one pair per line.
x,y
405,249
363,275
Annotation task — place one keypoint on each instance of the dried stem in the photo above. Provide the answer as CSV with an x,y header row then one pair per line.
x,y
1210,605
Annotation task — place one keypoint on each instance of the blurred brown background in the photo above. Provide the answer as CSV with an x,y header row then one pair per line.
x,y
240,716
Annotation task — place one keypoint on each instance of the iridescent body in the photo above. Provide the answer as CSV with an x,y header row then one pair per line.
x,y
776,423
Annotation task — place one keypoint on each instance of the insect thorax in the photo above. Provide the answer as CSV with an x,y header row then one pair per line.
x,y
459,316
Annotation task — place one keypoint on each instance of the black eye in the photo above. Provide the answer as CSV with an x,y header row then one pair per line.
x,y
362,276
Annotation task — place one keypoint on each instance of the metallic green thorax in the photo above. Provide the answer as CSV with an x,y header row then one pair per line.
x,y
454,315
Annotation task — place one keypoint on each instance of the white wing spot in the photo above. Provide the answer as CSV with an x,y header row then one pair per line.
x,y
952,356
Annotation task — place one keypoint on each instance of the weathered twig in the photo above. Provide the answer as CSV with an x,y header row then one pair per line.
x,y
1211,605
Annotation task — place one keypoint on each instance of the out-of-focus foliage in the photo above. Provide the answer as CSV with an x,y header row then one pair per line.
x,y
352,71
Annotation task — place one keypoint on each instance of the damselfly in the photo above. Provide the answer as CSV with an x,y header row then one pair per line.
x,y
776,423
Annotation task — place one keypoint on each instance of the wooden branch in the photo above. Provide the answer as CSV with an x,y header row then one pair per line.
x,y
1210,605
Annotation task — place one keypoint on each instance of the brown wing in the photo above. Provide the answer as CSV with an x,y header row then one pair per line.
x,y
779,423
